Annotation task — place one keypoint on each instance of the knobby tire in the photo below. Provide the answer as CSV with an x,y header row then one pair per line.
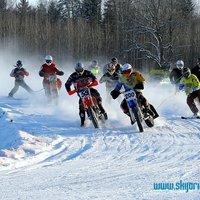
x,y
93,117
138,120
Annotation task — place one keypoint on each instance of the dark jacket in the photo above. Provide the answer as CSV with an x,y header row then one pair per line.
x,y
196,71
175,76
80,81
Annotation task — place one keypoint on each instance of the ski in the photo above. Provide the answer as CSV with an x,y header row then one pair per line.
x,y
192,117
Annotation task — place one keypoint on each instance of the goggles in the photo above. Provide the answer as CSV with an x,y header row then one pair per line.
x,y
48,61
128,71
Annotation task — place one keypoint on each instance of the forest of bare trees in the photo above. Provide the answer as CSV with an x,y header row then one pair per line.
x,y
145,33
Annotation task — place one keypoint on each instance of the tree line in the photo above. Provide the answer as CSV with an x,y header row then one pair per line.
x,y
148,33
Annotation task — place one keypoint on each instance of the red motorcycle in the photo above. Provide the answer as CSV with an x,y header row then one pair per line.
x,y
52,85
90,105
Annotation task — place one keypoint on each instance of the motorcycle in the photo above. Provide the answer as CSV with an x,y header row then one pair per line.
x,y
91,106
137,111
52,84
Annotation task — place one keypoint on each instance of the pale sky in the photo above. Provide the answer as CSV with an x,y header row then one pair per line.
x,y
35,2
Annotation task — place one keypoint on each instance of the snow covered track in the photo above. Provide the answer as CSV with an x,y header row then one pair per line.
x,y
52,158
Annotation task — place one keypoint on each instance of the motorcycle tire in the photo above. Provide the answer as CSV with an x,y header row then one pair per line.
x,y
93,117
138,120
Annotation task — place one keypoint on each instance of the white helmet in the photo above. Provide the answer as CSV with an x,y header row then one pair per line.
x,y
48,59
179,64
126,69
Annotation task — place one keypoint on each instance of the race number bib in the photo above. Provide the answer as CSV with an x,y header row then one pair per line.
x,y
129,95
84,93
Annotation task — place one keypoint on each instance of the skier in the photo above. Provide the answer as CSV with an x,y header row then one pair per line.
x,y
176,74
19,73
196,69
79,79
94,67
110,78
49,71
191,85
133,80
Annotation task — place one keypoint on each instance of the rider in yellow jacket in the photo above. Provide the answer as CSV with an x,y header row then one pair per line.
x,y
191,85
129,80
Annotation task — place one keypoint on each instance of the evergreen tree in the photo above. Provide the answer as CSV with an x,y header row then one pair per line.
x,y
3,5
70,8
23,7
91,10
53,12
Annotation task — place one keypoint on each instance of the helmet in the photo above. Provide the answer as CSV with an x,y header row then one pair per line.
x,y
79,68
95,62
179,64
19,63
48,59
186,72
114,60
126,70
111,68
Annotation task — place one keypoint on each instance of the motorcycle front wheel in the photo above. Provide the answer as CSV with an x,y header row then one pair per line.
x,y
93,117
138,119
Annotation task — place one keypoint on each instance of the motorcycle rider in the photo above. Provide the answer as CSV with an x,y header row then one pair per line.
x,y
94,67
190,83
79,79
19,73
130,79
48,70
110,78
115,62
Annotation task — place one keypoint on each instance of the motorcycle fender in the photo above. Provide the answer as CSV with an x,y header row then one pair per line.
x,y
132,103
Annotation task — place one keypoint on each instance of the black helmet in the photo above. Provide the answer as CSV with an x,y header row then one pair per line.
x,y
19,63
95,62
186,72
79,68
114,60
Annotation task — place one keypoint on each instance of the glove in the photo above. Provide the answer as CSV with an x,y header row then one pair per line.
x,y
41,73
139,86
71,92
60,73
95,83
180,86
115,94
188,90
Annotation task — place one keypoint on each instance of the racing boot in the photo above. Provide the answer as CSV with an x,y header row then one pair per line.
x,y
147,111
103,111
82,116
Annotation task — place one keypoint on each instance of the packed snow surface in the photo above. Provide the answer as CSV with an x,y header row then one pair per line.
x,y
44,154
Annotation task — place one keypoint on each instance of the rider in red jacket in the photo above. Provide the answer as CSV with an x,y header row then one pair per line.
x,y
81,78
48,71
